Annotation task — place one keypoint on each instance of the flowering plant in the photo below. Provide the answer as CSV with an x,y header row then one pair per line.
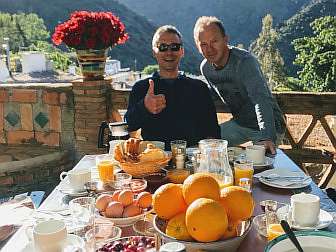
x,y
90,30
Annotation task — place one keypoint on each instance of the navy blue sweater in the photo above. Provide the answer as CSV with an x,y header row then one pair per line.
x,y
189,114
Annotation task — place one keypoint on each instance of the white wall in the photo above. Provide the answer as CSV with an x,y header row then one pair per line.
x,y
33,62
4,74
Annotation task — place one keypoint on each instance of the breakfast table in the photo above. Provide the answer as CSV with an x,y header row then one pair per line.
x,y
252,242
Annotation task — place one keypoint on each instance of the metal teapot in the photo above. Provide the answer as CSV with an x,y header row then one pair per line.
x,y
117,131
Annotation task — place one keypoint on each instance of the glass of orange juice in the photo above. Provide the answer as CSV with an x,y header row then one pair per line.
x,y
243,169
105,164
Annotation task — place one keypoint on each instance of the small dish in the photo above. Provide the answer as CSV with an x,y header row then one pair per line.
x,y
144,227
138,185
155,180
325,219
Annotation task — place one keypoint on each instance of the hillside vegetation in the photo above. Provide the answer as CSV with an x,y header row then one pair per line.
x,y
299,26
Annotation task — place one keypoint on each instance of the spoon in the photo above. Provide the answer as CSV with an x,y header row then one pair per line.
x,y
291,235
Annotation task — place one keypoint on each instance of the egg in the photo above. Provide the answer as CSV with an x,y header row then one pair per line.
x,y
115,195
126,197
114,209
102,202
144,199
131,210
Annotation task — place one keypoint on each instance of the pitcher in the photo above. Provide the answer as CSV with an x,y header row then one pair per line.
x,y
214,160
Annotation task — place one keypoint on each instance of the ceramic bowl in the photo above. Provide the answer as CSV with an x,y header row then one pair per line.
x,y
311,241
227,245
127,221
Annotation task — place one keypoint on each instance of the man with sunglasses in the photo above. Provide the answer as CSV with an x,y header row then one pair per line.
x,y
236,78
169,105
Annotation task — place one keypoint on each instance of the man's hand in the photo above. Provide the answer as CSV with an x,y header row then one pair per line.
x,y
154,103
269,146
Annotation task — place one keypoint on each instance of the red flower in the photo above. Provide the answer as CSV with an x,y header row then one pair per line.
x,y
93,30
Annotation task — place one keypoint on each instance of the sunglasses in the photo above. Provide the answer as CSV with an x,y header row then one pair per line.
x,y
175,47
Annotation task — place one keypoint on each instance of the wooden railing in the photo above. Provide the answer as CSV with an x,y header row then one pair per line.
x,y
318,105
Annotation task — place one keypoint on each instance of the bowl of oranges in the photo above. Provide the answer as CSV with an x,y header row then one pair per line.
x,y
201,215
123,207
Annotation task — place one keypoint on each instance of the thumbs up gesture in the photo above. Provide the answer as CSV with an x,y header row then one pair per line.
x,y
154,103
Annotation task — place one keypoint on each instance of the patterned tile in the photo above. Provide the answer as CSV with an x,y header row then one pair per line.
x,y
41,119
12,118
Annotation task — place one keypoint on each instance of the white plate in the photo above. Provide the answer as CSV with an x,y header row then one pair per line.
x,y
283,172
127,221
72,242
325,219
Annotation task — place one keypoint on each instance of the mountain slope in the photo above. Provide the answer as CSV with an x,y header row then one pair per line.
x,y
241,18
139,28
298,27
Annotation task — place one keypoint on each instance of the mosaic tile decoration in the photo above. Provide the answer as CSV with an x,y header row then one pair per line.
x,y
41,119
12,118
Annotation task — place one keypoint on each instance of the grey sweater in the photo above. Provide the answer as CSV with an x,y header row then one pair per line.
x,y
242,86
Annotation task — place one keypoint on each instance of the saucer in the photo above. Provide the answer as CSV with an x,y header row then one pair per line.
x,y
72,243
66,189
325,219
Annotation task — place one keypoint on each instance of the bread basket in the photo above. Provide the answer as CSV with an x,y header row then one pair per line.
x,y
141,169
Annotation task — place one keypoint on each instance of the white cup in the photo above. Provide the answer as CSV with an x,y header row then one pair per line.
x,y
256,153
48,236
77,178
305,209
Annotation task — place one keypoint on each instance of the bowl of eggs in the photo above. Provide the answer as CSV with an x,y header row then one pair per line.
x,y
123,207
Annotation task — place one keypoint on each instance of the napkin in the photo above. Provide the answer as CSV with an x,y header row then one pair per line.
x,y
282,177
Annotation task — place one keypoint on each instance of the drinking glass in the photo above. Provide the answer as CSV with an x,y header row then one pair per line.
x,y
105,164
122,181
101,234
178,147
243,169
82,212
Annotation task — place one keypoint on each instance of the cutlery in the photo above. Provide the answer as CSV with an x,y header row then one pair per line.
x,y
278,177
284,224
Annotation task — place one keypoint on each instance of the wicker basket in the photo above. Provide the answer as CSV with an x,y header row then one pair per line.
x,y
142,169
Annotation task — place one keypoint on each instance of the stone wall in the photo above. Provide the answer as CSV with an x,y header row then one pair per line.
x,y
46,128
37,114
36,135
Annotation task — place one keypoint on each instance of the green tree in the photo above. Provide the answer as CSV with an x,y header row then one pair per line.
x,y
266,50
317,56
150,69
22,30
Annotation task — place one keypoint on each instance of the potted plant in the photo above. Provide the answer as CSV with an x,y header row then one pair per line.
x,y
91,34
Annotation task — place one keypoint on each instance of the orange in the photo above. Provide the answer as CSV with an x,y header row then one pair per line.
x,y
168,201
177,228
238,203
273,231
206,220
200,185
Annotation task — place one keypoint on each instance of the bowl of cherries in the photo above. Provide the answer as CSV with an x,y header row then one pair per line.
x,y
129,244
